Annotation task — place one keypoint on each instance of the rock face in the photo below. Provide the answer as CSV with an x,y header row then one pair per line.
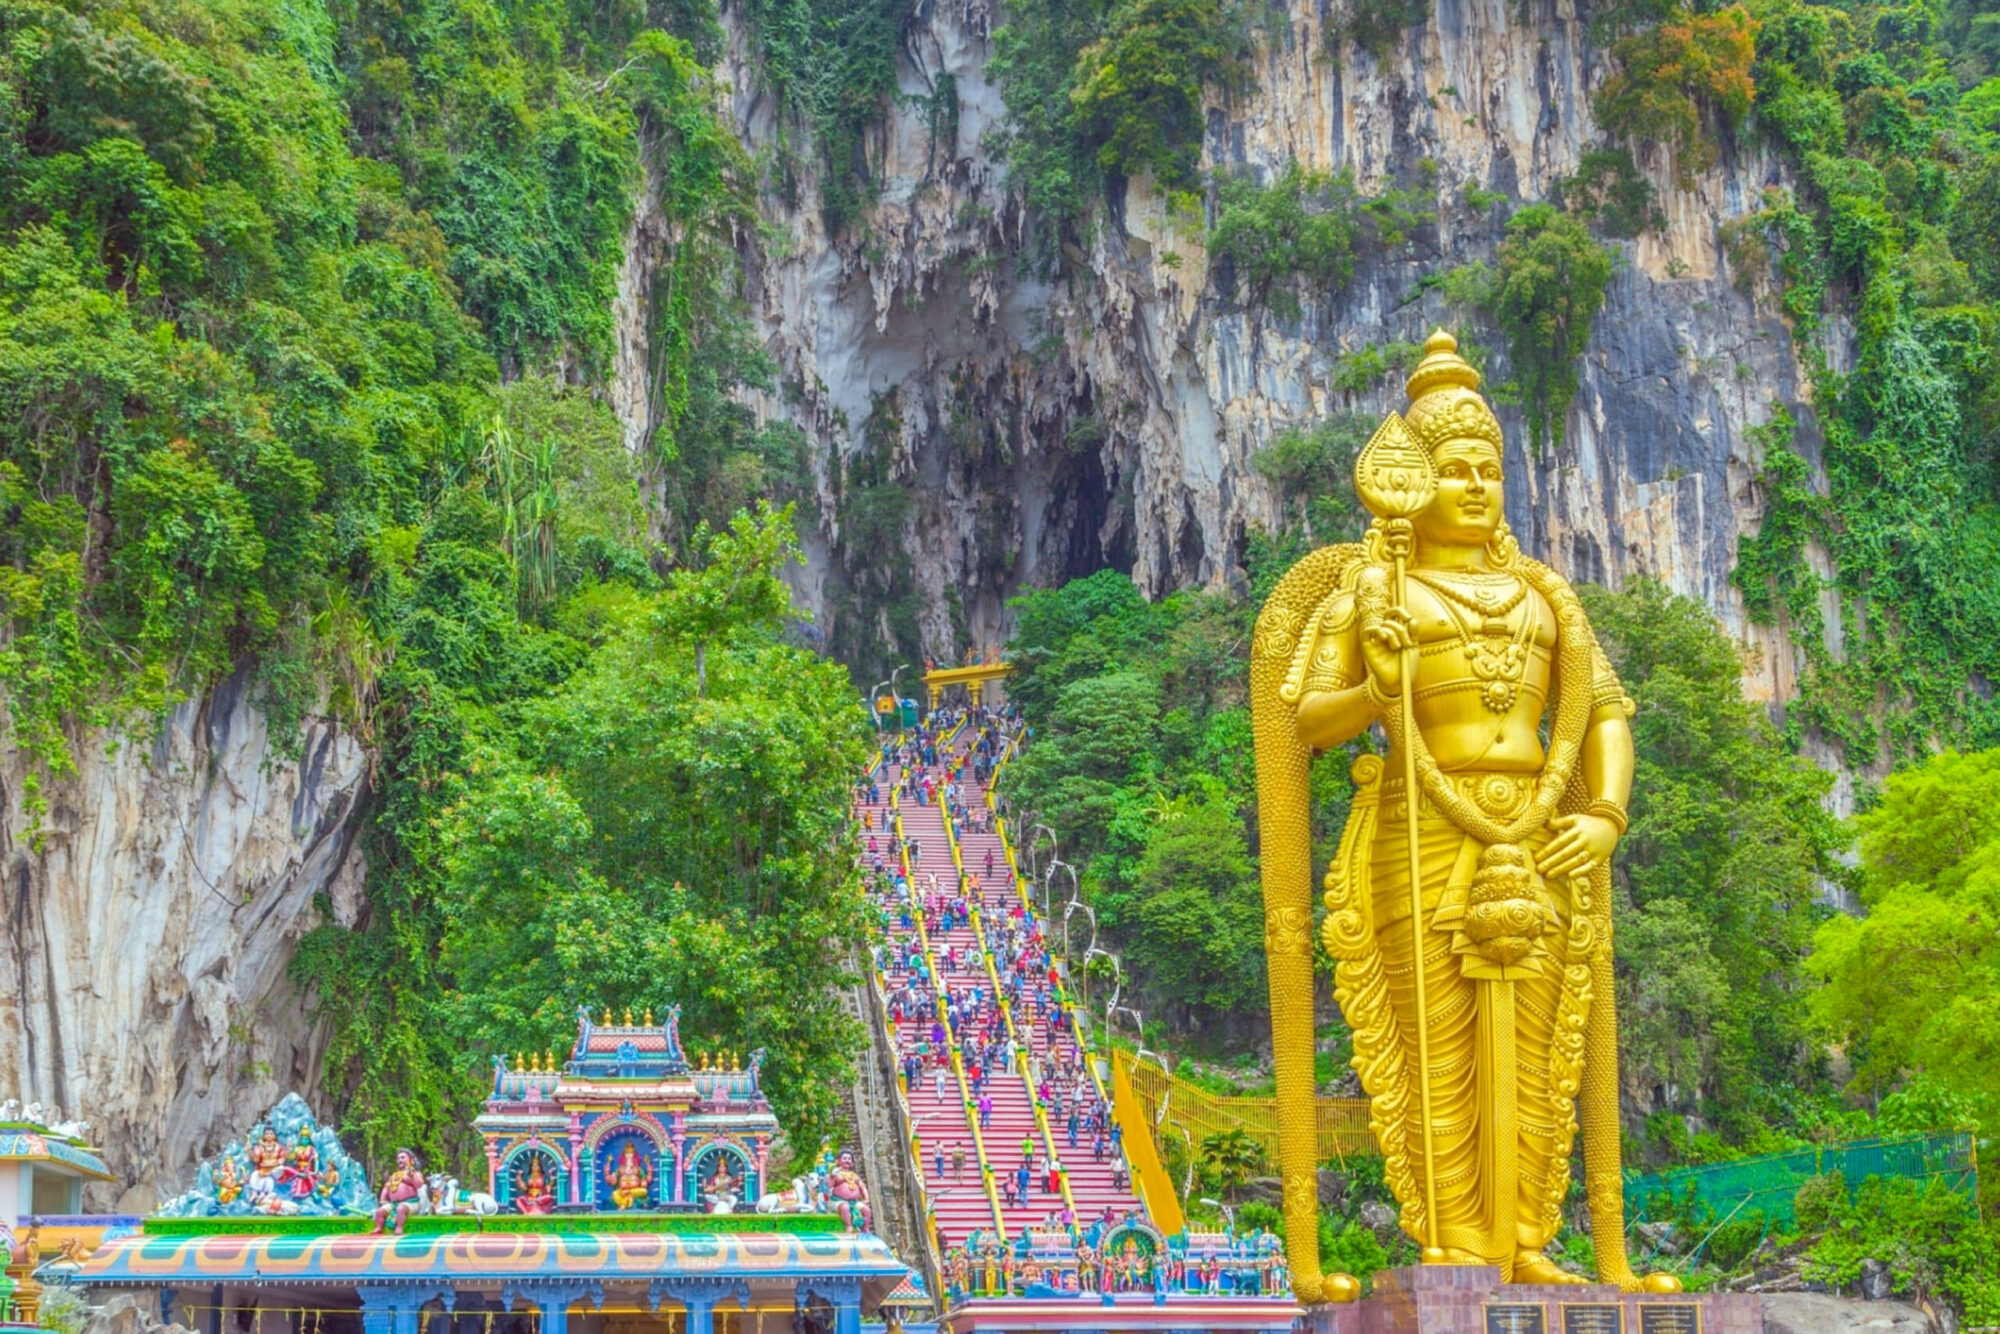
x,y
147,932
1822,1313
1044,426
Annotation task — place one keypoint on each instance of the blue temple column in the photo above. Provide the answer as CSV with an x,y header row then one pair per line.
x,y
397,1308
698,1298
552,1297
842,1294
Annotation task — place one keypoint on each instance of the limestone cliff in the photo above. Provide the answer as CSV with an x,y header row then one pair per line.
x,y
149,925
1046,427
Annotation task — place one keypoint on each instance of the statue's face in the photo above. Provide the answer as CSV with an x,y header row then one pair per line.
x,y
1467,507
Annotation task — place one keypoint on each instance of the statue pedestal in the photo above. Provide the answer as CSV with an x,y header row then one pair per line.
x,y
1471,1299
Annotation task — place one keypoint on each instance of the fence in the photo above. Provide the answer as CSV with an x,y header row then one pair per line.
x,y
1342,1122
1768,1184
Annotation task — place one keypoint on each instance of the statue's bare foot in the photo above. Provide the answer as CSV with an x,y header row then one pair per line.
x,y
1450,1255
1660,1283
1534,1267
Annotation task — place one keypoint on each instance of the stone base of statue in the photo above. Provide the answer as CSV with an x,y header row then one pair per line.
x,y
1471,1299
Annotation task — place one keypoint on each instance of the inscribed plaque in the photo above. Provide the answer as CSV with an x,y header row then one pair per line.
x,y
1670,1318
1516,1318
1593,1318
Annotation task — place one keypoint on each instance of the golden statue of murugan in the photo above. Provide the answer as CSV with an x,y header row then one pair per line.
x,y
1474,1062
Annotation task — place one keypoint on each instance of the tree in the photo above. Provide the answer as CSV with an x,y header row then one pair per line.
x,y
1548,283
1229,1158
1718,878
1193,921
1912,989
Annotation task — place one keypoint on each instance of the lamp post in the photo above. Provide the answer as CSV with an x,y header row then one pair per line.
x,y
896,691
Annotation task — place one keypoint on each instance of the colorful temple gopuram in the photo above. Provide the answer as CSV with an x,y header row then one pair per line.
x,y
612,1186
626,1123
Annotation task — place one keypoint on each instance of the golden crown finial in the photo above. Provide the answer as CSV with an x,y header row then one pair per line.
x,y
551,1065
628,1016
649,1016
1445,403
519,1064
1441,366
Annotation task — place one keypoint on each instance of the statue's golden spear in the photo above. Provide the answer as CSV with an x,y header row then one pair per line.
x,y
1396,479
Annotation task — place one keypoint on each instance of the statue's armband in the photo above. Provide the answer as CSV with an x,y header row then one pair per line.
x,y
1329,649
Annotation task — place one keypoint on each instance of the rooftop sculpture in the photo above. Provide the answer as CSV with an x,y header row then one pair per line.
x,y
288,1164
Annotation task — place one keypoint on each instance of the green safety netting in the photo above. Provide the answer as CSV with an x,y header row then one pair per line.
x,y
1769,1183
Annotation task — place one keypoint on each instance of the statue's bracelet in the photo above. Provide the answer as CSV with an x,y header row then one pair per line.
x,y
1376,696
1609,810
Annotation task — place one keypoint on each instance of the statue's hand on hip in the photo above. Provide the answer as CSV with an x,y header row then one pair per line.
x,y
1581,843
1384,638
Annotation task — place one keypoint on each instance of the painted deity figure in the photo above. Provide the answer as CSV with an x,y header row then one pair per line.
x,y
630,1178
301,1171
1476,992
402,1193
228,1184
267,1159
724,1187
534,1193
849,1194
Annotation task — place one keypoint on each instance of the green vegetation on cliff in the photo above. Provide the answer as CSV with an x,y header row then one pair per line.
x,y
1885,264
303,315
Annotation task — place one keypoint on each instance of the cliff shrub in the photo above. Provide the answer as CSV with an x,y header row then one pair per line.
x,y
1607,191
1670,76
1375,26
1292,236
1097,91
1544,288
833,64
1138,88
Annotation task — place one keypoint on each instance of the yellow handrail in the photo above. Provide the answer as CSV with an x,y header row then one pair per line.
x,y
1154,1187
944,1012
1035,1107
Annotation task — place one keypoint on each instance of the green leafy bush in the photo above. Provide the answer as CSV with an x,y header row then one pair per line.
x,y
1544,289
1670,74
1138,88
1295,234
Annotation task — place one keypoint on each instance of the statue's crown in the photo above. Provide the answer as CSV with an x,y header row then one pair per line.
x,y
1444,398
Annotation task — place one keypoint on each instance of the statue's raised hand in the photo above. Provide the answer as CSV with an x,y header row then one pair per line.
x,y
1384,637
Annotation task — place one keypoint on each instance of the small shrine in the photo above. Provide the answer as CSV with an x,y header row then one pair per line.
x,y
44,1162
626,1124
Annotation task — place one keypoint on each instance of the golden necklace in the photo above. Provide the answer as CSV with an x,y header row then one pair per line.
x,y
1496,653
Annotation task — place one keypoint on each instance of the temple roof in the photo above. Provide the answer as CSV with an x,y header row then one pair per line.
x,y
628,1050
40,1146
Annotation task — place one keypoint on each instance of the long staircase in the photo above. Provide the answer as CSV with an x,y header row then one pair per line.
x,y
941,935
